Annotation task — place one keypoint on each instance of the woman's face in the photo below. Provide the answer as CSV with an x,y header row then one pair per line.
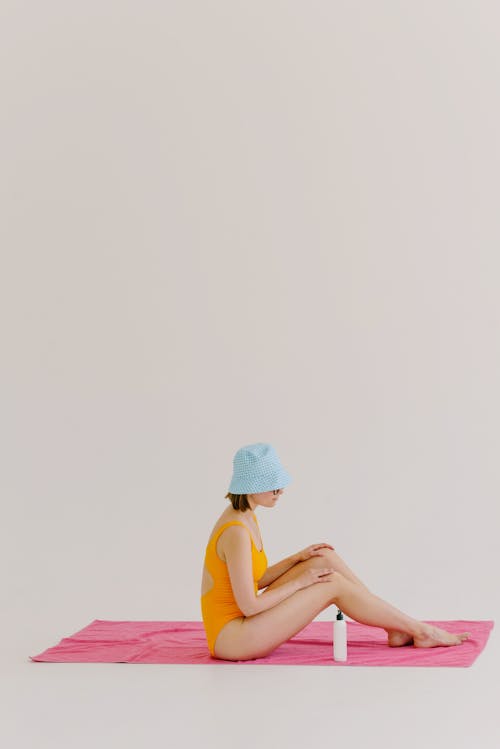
x,y
264,499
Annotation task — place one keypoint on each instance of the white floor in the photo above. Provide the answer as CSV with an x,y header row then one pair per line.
x,y
45,705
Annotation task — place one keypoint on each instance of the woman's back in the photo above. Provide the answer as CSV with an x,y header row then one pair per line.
x,y
218,604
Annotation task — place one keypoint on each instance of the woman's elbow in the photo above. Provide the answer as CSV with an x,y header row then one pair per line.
x,y
250,607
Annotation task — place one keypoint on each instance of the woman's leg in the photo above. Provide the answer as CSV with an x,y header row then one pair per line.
x,y
395,637
258,635
330,558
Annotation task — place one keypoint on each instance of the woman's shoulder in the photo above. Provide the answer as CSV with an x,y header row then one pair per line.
x,y
227,516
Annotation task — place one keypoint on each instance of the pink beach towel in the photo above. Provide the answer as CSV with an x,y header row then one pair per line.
x,y
105,641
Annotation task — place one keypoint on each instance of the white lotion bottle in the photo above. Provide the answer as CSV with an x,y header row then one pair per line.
x,y
339,638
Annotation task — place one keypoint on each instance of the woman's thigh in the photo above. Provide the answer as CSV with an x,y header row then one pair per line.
x,y
258,635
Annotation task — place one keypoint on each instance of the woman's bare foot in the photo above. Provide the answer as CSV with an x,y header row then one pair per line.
x,y
397,639
434,637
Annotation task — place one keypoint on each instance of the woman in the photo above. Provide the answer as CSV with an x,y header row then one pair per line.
x,y
242,625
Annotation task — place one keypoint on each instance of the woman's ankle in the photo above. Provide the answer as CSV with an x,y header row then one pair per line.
x,y
418,628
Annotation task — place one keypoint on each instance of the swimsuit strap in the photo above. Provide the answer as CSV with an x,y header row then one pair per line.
x,y
224,525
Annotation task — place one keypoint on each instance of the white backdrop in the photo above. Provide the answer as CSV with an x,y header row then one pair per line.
x,y
232,222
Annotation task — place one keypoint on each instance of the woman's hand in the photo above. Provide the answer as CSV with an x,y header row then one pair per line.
x,y
312,551
314,575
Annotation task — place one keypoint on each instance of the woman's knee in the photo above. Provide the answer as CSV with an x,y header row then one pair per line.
x,y
337,580
327,558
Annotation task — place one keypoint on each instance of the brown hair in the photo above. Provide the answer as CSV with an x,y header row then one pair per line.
x,y
239,501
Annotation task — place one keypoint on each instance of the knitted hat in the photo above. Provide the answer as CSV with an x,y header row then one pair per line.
x,y
257,468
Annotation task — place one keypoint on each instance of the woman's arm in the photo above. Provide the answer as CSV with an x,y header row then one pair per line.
x,y
276,570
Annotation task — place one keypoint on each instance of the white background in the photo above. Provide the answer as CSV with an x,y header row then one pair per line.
x,y
231,222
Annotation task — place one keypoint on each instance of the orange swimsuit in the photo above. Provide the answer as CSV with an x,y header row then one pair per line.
x,y
218,605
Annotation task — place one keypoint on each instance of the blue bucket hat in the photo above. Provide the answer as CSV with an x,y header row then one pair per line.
x,y
257,468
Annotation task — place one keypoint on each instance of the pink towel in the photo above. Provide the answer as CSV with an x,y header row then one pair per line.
x,y
105,641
